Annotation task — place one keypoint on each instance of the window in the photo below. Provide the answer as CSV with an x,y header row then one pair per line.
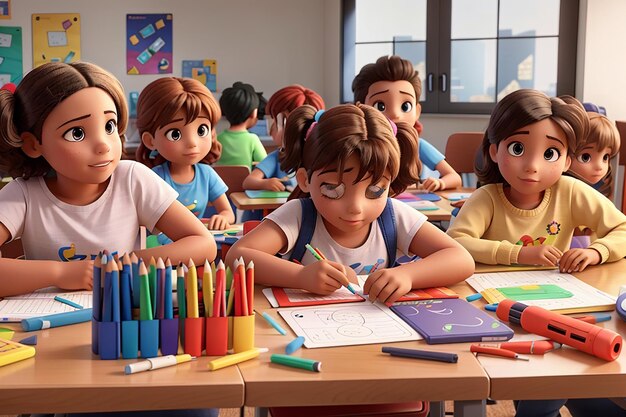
x,y
469,53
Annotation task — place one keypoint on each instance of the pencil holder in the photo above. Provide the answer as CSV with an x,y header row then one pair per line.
x,y
230,333
169,336
149,338
194,330
130,339
94,335
243,333
109,339
216,336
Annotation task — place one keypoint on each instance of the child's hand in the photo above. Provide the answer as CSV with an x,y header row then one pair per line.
x,y
323,277
75,275
387,285
433,184
217,222
546,255
576,260
273,184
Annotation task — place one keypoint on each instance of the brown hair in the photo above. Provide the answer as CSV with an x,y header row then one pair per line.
x,y
347,130
386,68
159,102
522,108
41,90
287,99
604,134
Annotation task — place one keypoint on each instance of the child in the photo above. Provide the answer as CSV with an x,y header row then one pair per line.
x,y
175,118
348,159
268,175
240,105
526,211
72,196
394,87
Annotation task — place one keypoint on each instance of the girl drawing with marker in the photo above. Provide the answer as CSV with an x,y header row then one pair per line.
x,y
348,159
61,136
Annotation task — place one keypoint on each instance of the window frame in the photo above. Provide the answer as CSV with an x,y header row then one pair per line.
x,y
438,45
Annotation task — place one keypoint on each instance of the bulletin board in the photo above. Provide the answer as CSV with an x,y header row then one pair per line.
x,y
11,67
149,43
56,38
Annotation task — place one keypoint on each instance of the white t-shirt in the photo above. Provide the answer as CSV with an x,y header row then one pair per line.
x,y
53,230
408,221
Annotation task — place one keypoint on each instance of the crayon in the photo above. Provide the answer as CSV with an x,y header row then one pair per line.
x,y
294,345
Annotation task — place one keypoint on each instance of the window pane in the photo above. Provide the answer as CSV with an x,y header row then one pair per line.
x,y
529,18
370,52
527,63
378,21
472,71
416,53
474,19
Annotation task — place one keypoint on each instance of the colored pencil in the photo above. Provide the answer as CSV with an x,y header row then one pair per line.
x,y
168,307
250,286
97,292
160,273
126,289
152,280
180,292
243,291
134,263
207,289
145,304
317,254
192,291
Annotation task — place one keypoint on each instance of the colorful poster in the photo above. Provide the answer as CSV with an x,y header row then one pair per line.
x,y
203,70
56,38
5,9
149,43
11,69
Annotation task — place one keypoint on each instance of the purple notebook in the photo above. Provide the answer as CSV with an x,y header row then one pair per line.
x,y
452,320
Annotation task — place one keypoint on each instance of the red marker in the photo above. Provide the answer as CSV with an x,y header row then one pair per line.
x,y
494,351
535,347
597,341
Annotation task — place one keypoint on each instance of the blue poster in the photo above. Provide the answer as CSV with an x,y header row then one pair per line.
x,y
149,43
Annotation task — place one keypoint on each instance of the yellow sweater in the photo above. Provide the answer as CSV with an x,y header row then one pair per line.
x,y
494,231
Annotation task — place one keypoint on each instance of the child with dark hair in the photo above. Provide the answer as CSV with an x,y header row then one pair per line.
x,y
240,104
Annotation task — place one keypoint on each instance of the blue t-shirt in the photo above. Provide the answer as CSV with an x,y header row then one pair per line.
x,y
430,157
270,166
205,187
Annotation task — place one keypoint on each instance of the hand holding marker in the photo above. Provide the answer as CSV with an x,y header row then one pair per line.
x,y
318,255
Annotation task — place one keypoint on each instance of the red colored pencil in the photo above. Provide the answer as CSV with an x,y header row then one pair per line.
x,y
250,285
485,350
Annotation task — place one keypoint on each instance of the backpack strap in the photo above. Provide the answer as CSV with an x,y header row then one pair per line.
x,y
387,224
307,227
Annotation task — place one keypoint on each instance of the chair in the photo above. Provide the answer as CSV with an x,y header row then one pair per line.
x,y
621,127
12,249
233,176
461,151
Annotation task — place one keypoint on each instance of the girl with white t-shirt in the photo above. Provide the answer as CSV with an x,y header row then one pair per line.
x,y
348,159
60,133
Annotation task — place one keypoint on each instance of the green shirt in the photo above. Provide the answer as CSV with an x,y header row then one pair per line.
x,y
240,148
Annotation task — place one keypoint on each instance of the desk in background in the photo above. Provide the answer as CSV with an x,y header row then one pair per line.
x,y
64,376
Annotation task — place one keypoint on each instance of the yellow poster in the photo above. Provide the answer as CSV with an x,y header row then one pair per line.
x,y
56,37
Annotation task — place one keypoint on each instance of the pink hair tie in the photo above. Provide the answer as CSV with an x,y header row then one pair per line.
x,y
394,128
316,118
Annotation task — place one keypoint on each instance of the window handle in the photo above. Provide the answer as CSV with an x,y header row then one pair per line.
x,y
443,82
429,82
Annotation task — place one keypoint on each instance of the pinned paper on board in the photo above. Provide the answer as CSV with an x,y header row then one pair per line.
x,y
11,67
56,37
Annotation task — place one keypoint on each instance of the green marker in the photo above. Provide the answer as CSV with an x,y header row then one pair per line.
x,y
295,362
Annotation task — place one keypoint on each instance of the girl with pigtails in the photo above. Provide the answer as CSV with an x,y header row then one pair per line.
x,y
348,160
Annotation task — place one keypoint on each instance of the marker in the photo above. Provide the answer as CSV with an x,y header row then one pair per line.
x,y
68,302
294,345
57,320
421,354
535,347
295,362
317,254
491,307
155,363
474,297
274,323
594,318
486,350
234,359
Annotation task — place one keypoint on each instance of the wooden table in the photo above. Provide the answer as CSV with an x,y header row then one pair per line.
x,y
565,373
361,375
64,376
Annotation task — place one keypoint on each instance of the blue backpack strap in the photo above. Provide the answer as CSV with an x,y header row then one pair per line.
x,y
307,227
387,224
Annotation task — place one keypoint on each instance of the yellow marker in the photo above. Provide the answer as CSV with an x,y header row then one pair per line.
x,y
207,289
192,291
234,359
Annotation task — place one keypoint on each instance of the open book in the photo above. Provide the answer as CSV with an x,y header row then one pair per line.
x,y
41,303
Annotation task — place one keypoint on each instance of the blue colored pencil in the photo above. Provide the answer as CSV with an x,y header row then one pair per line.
x,y
97,290
115,290
107,298
135,279
168,312
125,289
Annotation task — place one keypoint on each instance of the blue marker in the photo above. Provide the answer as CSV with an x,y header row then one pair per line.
x,y
474,297
56,320
294,345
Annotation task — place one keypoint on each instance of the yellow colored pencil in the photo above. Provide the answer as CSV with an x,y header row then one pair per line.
x,y
192,291
207,289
